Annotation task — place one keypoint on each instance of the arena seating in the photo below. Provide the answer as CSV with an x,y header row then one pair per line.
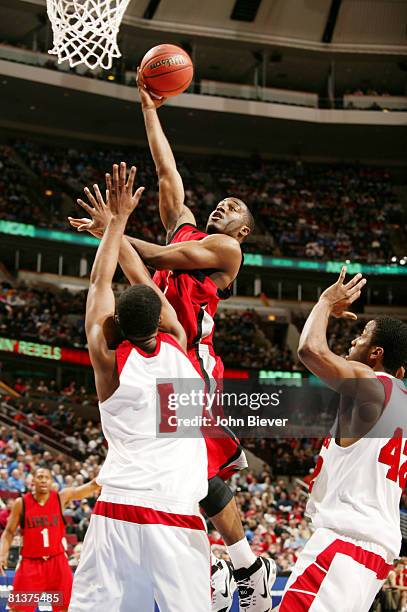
x,y
56,317
302,210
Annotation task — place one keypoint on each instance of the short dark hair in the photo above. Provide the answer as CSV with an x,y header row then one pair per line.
x,y
138,311
249,219
391,335
42,467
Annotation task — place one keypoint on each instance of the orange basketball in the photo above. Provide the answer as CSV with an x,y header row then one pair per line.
x,y
166,70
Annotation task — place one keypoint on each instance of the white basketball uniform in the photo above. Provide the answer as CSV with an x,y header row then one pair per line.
x,y
354,507
146,539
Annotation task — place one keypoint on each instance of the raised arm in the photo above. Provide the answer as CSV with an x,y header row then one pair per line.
x,y
129,259
313,349
173,211
100,305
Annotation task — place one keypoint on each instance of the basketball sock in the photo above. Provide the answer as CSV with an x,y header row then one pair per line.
x,y
241,554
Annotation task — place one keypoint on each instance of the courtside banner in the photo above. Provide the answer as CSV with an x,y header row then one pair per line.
x,y
281,408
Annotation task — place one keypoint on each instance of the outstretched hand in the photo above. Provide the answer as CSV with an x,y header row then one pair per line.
x,y
118,194
98,210
341,296
120,198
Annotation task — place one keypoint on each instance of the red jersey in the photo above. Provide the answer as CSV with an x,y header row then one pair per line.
x,y
192,293
43,527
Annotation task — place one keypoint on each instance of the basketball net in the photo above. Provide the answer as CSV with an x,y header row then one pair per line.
x,y
85,31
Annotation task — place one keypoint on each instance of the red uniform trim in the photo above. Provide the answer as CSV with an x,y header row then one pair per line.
x,y
122,353
311,579
147,516
175,232
388,387
124,349
171,340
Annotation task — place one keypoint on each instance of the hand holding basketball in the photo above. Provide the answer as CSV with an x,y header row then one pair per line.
x,y
166,70
147,101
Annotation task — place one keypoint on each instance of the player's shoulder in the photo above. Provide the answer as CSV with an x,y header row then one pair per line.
x,y
18,506
223,241
171,340
183,232
361,370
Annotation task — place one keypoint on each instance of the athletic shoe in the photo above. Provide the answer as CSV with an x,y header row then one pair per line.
x,y
223,585
254,585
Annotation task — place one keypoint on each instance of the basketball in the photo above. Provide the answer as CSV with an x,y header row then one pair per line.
x,y
166,70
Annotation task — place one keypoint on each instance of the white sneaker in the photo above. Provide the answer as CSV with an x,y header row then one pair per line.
x,y
223,585
254,585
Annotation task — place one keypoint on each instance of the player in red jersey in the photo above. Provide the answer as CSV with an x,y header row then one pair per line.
x,y
195,270
43,567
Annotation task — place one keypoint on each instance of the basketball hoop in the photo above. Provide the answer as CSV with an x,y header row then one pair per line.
x,y
85,31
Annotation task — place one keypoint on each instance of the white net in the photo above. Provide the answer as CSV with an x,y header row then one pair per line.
x,y
85,31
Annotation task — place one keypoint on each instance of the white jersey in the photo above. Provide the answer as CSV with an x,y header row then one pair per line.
x,y
357,489
167,473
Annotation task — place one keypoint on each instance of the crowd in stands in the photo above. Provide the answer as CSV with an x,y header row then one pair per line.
x,y
272,509
42,315
57,317
20,456
240,340
301,210
340,334
271,498
56,413
272,512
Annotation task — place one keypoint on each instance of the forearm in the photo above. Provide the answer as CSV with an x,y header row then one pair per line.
x,y
132,264
313,337
148,251
188,255
105,263
5,543
159,146
87,490
137,273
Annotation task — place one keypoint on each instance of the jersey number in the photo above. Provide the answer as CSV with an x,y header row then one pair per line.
x,y
165,390
391,455
45,537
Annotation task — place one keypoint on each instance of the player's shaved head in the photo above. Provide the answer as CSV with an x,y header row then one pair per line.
x,y
138,312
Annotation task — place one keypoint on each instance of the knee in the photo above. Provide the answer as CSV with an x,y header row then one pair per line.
x,y
219,495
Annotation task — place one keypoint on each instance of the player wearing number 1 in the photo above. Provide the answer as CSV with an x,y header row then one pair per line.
x,y
43,567
360,474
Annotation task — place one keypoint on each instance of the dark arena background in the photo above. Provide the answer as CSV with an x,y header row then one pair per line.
x,y
299,108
